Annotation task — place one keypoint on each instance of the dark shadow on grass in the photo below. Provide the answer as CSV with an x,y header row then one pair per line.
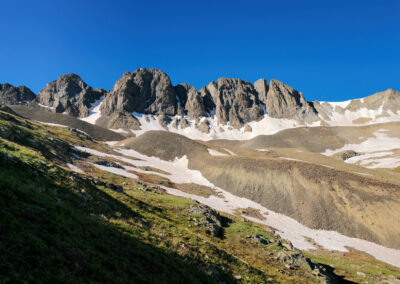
x,y
48,234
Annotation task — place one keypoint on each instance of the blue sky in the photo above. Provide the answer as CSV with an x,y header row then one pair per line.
x,y
329,50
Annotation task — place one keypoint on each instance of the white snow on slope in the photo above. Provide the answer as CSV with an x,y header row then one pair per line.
x,y
230,152
94,112
286,227
45,106
51,124
374,149
339,104
111,143
381,142
215,152
75,168
116,171
375,115
267,125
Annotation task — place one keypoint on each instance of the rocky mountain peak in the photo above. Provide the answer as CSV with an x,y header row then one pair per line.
x,y
69,94
285,102
143,91
236,101
11,95
262,87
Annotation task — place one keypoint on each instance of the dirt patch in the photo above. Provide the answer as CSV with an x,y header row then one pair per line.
x,y
151,169
255,213
151,178
39,114
197,189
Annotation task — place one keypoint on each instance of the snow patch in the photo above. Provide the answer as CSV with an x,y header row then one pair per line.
x,y
230,152
116,171
339,104
75,168
52,124
48,107
94,112
215,152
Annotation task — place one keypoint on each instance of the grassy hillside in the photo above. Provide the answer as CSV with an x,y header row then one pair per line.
x,y
59,226
37,113
318,191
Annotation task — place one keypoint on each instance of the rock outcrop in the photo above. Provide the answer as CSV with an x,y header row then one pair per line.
x,y
195,104
232,102
147,91
236,101
181,91
262,87
69,94
283,101
11,95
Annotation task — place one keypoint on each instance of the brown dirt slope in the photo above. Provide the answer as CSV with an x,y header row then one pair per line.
x,y
319,139
39,114
318,196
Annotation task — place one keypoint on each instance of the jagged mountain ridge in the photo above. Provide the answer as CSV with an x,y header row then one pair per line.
x,y
227,108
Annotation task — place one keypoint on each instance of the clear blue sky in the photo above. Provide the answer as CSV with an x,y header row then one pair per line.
x,y
329,50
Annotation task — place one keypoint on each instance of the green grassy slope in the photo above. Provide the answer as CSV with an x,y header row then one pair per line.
x,y
58,226
37,113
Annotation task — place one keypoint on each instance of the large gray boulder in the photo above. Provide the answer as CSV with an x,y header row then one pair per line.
x,y
69,94
285,102
147,91
11,95
236,101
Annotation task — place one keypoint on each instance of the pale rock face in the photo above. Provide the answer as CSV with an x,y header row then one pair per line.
x,y
118,120
195,104
69,94
146,91
285,102
10,95
236,101
261,86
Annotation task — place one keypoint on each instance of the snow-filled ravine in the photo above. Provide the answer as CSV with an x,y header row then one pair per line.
x,y
288,228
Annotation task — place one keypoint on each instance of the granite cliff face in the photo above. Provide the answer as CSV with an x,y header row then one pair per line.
x,y
220,107
232,102
10,95
236,101
147,91
283,101
70,95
